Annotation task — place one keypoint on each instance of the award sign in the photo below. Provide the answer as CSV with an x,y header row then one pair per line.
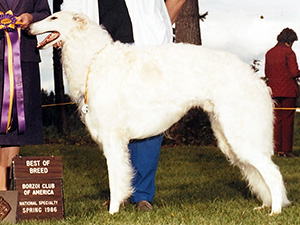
x,y
39,183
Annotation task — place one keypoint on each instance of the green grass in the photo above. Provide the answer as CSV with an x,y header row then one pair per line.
x,y
195,185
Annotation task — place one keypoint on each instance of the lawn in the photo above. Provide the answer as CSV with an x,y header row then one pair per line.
x,y
195,185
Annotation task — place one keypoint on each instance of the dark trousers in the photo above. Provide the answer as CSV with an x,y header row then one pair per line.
x,y
284,124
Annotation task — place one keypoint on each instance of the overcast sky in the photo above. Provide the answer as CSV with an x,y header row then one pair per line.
x,y
247,28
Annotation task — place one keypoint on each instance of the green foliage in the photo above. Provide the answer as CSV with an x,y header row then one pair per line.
x,y
195,185
193,129
78,136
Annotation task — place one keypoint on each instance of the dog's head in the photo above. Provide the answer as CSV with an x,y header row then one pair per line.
x,y
59,24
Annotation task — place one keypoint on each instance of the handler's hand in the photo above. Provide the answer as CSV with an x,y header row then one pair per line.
x,y
26,19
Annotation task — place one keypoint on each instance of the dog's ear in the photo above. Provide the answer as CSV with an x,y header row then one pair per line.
x,y
82,20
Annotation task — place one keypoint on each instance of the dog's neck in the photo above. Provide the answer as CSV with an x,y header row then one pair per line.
x,y
88,75
78,54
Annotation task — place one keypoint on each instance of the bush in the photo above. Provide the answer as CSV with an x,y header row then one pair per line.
x,y
193,129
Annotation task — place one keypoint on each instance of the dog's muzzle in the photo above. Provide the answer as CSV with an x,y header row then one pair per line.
x,y
50,38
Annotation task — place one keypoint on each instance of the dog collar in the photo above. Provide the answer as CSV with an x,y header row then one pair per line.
x,y
85,108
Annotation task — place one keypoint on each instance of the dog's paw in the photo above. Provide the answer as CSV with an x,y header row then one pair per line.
x,y
275,212
260,207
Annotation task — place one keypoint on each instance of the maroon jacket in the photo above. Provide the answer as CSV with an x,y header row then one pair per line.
x,y
281,69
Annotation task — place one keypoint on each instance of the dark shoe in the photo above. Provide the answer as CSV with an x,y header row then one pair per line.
x,y
144,206
286,154
289,155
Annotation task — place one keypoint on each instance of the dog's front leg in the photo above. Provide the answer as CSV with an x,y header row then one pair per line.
x,y
120,172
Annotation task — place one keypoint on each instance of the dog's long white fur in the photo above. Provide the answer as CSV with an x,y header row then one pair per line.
x,y
137,92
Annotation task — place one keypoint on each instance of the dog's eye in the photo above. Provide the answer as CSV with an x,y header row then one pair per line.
x,y
53,18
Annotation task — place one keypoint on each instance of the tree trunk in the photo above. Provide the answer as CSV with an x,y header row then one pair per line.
x,y
61,120
194,128
187,26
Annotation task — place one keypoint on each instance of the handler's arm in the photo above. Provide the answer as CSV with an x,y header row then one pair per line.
x,y
41,10
174,7
34,13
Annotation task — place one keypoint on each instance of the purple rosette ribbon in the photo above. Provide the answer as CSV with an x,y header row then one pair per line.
x,y
13,98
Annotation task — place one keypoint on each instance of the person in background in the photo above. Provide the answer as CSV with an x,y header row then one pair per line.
x,y
142,22
281,70
27,12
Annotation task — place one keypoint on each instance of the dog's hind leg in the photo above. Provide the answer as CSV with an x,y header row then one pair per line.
x,y
221,139
266,182
262,174
249,172
120,172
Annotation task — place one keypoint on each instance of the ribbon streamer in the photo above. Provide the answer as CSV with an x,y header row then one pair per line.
x,y
13,99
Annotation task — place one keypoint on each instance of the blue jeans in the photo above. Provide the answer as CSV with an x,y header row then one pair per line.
x,y
144,158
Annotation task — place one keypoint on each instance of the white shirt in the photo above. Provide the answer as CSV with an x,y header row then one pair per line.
x,y
88,7
150,20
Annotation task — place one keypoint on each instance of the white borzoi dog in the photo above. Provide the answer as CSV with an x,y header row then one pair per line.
x,y
137,92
